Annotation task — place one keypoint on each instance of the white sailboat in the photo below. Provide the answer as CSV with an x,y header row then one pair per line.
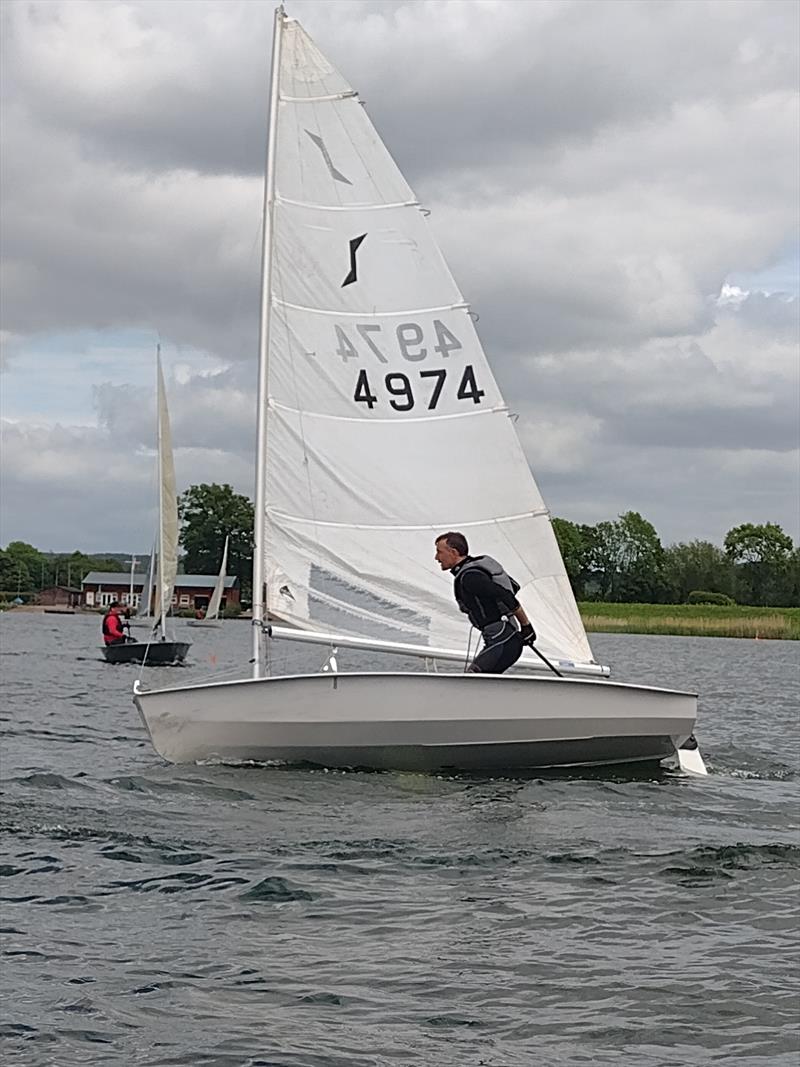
x,y
380,426
159,651
144,612
211,617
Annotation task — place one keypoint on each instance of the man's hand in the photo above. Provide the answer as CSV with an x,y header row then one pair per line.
x,y
528,634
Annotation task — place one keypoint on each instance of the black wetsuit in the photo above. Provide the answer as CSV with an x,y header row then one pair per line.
x,y
488,606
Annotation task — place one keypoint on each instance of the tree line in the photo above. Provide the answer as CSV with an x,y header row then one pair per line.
x,y
624,561
620,561
208,514
24,570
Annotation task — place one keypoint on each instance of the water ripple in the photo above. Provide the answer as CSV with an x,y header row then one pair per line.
x,y
252,916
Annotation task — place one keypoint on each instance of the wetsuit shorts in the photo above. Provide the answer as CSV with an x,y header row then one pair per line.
x,y
502,647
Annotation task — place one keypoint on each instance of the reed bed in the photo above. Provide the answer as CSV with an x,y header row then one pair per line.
x,y
693,620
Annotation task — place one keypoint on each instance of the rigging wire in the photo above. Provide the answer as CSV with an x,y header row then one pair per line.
x,y
469,647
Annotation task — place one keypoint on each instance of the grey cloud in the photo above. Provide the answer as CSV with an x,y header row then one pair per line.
x,y
86,246
736,388
560,316
207,412
765,424
596,171
526,74
718,490
103,493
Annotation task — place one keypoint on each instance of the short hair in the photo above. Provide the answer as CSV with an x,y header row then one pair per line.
x,y
456,541
114,604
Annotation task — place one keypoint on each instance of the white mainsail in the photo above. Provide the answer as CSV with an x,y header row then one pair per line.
x,y
219,588
167,506
385,424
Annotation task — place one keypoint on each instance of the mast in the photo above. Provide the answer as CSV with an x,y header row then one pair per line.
x,y
259,599
160,392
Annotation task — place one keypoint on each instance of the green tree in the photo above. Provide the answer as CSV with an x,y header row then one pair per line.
x,y
20,568
761,554
72,567
209,513
572,549
790,596
640,560
602,550
13,576
624,560
696,565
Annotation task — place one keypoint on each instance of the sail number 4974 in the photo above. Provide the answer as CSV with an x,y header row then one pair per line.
x,y
400,393
408,340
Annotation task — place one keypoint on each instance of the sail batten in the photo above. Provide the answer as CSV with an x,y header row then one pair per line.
x,y
432,526
346,207
501,410
436,309
317,99
374,369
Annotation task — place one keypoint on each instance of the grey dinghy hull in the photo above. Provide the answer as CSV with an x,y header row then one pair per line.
x,y
418,722
154,654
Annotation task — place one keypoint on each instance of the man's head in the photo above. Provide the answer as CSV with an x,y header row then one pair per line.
x,y
114,605
451,548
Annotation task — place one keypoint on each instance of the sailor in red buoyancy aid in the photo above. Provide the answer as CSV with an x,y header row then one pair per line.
x,y
113,634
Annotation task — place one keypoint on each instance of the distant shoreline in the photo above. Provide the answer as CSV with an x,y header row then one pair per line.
x,y
676,620
692,620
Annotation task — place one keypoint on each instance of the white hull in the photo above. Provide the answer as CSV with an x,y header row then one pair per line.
x,y
418,721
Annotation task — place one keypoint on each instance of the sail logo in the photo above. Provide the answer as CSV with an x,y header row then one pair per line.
x,y
355,244
335,173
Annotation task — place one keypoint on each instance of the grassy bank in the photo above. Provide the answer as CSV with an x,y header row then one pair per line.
x,y
697,620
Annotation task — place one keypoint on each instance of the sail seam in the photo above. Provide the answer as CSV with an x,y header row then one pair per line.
x,y
303,521
348,95
370,314
276,405
345,207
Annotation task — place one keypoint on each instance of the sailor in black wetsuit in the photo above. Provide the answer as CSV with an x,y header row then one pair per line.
x,y
486,594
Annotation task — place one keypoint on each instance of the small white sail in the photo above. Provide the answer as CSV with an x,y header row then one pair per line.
x,y
146,597
168,505
385,424
219,588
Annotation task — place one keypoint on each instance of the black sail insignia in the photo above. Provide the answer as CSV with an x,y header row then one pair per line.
x,y
355,244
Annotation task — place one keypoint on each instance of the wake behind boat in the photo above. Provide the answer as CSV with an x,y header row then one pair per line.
x,y
374,399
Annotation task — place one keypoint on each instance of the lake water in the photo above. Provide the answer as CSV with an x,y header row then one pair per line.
x,y
236,917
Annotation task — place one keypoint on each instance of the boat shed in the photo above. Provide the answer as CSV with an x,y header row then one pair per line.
x,y
61,596
192,592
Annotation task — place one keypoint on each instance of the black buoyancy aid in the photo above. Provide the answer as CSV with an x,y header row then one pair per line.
x,y
495,571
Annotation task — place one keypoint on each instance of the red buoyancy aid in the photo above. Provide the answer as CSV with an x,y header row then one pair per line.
x,y
112,628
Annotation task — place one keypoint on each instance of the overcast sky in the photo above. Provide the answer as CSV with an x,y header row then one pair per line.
x,y
614,185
